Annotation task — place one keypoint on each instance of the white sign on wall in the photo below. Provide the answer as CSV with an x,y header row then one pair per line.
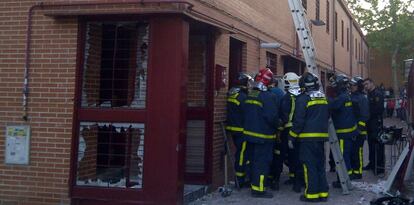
x,y
17,144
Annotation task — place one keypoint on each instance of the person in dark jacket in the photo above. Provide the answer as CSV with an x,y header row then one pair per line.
x,y
260,114
343,119
360,107
310,130
376,109
235,98
287,109
276,166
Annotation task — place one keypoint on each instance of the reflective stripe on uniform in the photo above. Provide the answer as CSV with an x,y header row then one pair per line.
x,y
305,177
341,146
289,124
240,174
313,134
232,100
317,102
348,104
291,175
362,123
236,129
346,130
261,185
243,149
254,102
255,134
323,194
277,152
364,132
293,134
361,160
292,110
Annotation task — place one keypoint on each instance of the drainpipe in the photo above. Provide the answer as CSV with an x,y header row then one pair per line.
x,y
43,5
333,36
351,48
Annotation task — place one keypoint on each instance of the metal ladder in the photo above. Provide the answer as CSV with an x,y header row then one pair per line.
x,y
308,48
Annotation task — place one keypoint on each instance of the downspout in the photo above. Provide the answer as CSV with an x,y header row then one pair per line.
x,y
43,5
335,29
350,40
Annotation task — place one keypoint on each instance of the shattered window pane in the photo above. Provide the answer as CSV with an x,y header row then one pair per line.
x,y
110,155
197,84
115,65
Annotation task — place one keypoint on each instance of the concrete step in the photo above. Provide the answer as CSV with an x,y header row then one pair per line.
x,y
194,192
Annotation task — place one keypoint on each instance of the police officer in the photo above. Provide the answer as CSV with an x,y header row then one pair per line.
x,y
310,130
376,108
235,97
343,119
361,111
260,125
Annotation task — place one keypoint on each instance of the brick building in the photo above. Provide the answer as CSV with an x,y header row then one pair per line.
x,y
124,98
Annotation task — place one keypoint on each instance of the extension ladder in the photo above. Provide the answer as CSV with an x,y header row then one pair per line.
x,y
308,48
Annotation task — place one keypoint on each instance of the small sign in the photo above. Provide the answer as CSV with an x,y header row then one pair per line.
x,y
17,144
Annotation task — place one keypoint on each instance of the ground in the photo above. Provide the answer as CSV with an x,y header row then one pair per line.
x,y
364,190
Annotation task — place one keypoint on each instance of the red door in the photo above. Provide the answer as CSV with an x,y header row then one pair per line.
x,y
129,120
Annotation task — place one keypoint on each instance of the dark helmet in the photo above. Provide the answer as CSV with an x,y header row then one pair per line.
x,y
243,79
358,81
339,82
309,82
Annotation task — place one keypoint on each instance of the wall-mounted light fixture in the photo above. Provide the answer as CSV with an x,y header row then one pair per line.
x,y
270,45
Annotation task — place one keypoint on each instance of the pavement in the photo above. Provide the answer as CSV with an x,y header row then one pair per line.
x,y
364,191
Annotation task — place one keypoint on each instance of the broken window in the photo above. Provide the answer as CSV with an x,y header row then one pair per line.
x,y
110,154
271,62
197,82
115,65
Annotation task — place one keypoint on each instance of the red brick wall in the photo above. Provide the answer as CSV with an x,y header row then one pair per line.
x,y
52,80
52,88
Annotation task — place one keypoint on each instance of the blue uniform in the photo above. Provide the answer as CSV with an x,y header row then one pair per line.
x,y
360,107
345,124
235,99
310,130
287,110
260,112
376,149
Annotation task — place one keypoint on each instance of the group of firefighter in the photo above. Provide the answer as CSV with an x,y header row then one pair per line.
x,y
271,127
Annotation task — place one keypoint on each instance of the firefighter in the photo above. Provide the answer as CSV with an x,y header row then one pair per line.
x,y
260,125
235,98
287,109
310,132
343,119
276,166
361,111
376,108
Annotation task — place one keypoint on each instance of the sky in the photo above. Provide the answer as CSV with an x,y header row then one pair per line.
x,y
382,3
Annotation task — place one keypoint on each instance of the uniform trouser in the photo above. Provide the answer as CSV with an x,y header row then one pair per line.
x,y
376,149
283,153
357,155
276,166
345,145
312,158
260,164
240,156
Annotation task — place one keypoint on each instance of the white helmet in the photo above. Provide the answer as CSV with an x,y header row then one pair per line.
x,y
291,83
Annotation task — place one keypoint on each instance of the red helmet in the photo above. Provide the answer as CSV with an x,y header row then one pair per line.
x,y
264,76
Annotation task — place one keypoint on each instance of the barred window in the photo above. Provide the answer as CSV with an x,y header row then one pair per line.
x,y
271,62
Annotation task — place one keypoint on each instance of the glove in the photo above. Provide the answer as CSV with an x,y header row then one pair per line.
x,y
290,144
